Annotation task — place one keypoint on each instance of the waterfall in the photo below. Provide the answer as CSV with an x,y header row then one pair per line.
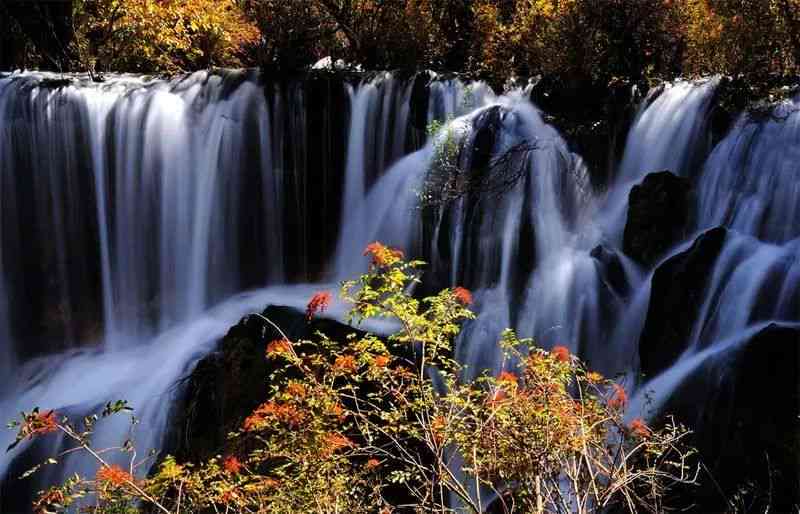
x,y
670,130
750,181
134,212
670,133
389,211
749,184
140,218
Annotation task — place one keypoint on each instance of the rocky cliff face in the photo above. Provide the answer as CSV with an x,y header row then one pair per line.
x,y
742,400
594,120
658,216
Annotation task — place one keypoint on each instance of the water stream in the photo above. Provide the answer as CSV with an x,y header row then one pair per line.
x,y
141,218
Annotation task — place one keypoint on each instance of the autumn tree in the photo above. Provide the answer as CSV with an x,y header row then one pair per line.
x,y
387,34
738,37
150,35
294,34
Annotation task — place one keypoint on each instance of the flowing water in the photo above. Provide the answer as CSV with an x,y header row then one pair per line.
x,y
136,213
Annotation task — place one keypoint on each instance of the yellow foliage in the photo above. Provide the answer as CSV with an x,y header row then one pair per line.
x,y
153,35
577,39
736,37
593,40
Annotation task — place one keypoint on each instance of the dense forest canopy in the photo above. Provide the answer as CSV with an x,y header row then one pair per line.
x,y
583,40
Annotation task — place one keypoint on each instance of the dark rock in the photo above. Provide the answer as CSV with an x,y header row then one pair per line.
x,y
312,180
658,216
677,288
487,127
754,96
328,115
723,113
420,98
18,493
744,407
229,384
611,270
611,299
594,119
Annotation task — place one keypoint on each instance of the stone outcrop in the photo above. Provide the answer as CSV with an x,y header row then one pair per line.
x,y
420,99
487,128
611,269
658,216
229,384
677,289
745,405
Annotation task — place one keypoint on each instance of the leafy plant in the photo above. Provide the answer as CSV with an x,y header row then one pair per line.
x,y
372,424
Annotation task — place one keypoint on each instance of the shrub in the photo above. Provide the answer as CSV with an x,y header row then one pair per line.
x,y
370,424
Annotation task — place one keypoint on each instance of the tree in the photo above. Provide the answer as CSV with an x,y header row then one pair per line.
x,y
153,36
294,34
35,34
378,35
387,34
737,37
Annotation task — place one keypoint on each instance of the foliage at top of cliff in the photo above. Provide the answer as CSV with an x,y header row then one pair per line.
x,y
580,40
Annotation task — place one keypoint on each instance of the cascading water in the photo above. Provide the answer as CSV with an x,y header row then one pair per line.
x,y
670,132
750,181
749,184
539,256
131,197
133,213
389,211
151,202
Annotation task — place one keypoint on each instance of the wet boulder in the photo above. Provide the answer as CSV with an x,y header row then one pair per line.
x,y
743,405
312,181
226,386
658,216
677,290
487,127
594,118
611,270
18,486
